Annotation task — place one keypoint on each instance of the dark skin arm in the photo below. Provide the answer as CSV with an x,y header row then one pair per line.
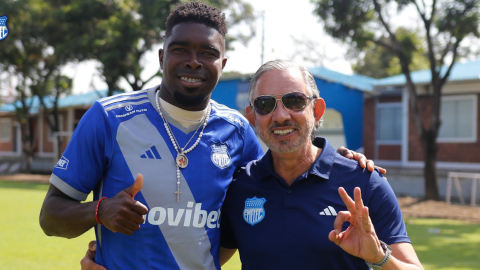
x,y
88,262
226,254
361,158
65,217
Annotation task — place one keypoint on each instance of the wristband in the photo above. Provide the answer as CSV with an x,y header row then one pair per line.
x,y
96,210
386,248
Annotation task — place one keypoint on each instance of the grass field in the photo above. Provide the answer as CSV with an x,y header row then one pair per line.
x,y
440,244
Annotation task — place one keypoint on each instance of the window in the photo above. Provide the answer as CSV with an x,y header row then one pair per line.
x,y
5,130
389,123
459,119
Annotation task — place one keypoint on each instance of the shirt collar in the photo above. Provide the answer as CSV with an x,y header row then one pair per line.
x,y
323,164
321,167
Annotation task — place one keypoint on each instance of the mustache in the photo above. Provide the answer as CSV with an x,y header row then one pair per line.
x,y
284,124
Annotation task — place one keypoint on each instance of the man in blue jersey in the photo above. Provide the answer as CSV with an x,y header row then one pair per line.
x,y
159,161
183,146
280,210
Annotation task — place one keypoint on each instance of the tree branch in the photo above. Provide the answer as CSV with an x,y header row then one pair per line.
x,y
151,78
454,58
382,43
378,8
445,51
420,12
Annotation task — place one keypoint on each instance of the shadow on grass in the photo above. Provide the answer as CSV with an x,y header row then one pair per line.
x,y
445,244
23,185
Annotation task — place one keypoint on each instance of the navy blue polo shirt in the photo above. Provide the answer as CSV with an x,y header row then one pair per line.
x,y
277,226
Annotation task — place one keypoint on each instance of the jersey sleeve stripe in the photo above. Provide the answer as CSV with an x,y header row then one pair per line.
x,y
67,189
123,98
135,93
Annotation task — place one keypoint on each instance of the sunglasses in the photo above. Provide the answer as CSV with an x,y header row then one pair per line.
x,y
293,101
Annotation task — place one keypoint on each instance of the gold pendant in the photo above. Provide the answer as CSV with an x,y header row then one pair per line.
x,y
182,161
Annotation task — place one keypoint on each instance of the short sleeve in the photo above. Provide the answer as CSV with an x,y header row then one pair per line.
x,y
82,165
385,211
252,150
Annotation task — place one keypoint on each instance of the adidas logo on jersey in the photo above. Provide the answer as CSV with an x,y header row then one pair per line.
x,y
329,211
152,153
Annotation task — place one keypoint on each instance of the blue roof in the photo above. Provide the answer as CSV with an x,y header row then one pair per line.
x,y
460,72
68,101
82,99
355,81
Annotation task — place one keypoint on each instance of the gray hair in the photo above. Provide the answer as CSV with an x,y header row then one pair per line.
x,y
280,64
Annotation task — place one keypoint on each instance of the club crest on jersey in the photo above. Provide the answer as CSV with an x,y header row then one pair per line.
x,y
220,156
3,27
254,212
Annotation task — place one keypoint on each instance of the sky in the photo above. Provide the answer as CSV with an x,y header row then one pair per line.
x,y
284,21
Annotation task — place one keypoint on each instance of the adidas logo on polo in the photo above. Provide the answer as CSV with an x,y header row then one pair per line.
x,y
329,211
152,153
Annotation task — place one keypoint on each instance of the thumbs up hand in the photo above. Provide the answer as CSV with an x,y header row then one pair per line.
x,y
136,187
122,213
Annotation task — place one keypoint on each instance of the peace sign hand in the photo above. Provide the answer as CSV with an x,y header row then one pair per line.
x,y
359,239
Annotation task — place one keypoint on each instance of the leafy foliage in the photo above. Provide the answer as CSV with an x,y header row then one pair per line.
x,y
122,40
379,62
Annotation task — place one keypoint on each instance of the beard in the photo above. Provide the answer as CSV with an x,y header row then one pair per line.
x,y
289,145
188,100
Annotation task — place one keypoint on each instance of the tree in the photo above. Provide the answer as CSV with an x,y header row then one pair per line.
x,y
49,96
122,40
379,62
23,54
38,45
310,51
445,24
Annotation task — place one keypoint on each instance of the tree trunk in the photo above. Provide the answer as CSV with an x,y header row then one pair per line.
x,y
58,141
28,164
28,152
28,141
430,169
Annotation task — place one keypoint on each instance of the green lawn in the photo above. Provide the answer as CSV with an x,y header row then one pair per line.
x,y
23,244
445,244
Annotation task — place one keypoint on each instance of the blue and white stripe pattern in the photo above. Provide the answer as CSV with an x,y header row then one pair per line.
x,y
124,100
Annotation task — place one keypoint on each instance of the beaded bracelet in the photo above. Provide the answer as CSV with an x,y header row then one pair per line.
x,y
96,210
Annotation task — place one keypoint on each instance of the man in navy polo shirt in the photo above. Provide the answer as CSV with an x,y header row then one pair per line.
x,y
280,210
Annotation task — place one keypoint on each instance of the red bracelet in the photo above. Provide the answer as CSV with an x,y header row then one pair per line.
x,y
96,210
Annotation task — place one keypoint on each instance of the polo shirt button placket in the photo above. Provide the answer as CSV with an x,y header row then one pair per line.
x,y
289,191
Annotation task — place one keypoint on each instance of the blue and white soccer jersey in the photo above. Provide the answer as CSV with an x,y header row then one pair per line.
x,y
122,136
277,226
